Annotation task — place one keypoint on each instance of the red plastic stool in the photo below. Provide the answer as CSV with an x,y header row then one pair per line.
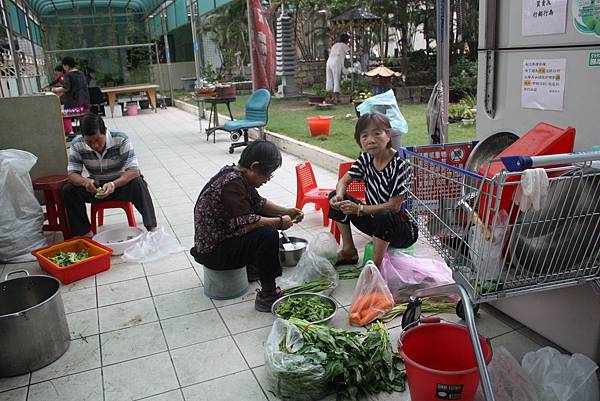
x,y
55,214
98,208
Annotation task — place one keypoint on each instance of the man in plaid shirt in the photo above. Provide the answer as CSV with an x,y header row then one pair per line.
x,y
112,165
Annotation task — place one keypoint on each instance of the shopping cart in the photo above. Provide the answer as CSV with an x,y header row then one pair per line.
x,y
494,247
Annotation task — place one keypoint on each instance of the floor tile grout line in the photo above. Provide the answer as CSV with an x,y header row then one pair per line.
x,y
162,329
99,337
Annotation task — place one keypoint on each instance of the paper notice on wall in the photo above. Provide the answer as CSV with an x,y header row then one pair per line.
x,y
544,17
543,84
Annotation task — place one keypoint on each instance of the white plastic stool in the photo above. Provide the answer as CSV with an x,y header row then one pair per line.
x,y
225,284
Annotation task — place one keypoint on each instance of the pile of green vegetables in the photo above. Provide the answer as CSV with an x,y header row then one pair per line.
x,y
356,364
309,308
63,259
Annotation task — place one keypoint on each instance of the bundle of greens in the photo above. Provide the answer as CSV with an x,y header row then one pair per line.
x,y
309,308
349,273
311,286
63,259
426,307
356,364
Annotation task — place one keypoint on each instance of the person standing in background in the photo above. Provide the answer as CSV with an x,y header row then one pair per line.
x,y
335,66
74,92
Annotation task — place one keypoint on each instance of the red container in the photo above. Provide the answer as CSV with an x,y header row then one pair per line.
x,y
543,139
319,125
98,261
440,362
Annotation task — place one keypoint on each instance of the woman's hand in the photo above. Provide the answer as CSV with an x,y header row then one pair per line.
x,y
348,207
334,202
286,222
295,214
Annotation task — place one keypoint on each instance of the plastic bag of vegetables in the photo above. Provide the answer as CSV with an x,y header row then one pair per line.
x,y
292,377
311,267
372,298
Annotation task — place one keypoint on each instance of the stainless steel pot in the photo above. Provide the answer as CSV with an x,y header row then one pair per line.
x,y
33,325
292,257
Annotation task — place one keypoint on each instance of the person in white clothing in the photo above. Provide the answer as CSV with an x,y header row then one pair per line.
x,y
335,66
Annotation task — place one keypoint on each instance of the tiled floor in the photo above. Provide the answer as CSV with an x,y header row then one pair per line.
x,y
146,331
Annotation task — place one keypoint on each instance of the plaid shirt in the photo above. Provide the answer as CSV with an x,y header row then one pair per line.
x,y
117,158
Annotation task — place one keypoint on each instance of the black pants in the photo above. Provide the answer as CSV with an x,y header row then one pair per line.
x,y
136,192
395,228
259,247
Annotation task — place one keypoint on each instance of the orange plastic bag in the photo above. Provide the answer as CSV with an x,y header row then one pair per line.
x,y
372,298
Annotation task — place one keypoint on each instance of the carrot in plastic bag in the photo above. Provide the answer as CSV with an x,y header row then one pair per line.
x,y
372,298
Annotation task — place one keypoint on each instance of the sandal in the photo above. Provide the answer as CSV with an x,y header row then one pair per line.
x,y
345,258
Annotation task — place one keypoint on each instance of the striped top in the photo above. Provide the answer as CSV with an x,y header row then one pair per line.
x,y
117,158
394,180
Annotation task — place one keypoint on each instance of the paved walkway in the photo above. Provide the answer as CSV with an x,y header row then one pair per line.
x,y
146,331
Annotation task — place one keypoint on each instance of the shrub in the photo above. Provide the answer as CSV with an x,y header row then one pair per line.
x,y
463,80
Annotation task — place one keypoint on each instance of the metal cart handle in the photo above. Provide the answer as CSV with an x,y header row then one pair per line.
x,y
520,163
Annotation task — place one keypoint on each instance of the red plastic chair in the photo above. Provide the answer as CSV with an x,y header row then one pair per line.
x,y
356,189
98,209
55,214
307,191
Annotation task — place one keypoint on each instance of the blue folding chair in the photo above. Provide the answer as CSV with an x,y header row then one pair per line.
x,y
257,115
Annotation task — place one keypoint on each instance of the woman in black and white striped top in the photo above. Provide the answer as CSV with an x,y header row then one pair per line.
x,y
387,177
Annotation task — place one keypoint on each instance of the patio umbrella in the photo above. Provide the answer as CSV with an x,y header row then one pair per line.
x,y
355,14
435,126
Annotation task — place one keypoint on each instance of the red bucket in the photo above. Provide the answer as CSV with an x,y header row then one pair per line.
x,y
319,125
440,362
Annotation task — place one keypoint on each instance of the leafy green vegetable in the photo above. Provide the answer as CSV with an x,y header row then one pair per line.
x,y
63,259
308,308
99,191
356,364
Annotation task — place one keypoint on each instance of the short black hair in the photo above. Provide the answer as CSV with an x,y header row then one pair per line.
x,y
91,124
265,153
380,120
70,61
345,38
59,68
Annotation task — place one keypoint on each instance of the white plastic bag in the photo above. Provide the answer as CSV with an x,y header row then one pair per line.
x,y
560,377
509,380
404,274
21,216
286,370
486,254
152,246
385,103
310,267
324,245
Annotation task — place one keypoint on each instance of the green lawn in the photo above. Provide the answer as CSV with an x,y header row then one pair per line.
x,y
288,117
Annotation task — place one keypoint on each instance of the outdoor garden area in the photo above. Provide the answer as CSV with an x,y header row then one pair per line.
x,y
288,117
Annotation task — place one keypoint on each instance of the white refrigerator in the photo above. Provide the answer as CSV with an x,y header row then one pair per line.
x,y
539,61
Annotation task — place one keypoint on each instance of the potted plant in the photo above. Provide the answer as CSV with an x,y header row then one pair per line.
x,y
319,96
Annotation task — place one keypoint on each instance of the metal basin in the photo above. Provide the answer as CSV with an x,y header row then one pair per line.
x,y
33,325
324,298
552,240
290,258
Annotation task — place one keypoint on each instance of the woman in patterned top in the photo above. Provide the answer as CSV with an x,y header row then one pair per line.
x,y
387,177
236,227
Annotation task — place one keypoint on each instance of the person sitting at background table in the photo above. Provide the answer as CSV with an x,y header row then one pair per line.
x,y
236,227
110,159
74,91
387,178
